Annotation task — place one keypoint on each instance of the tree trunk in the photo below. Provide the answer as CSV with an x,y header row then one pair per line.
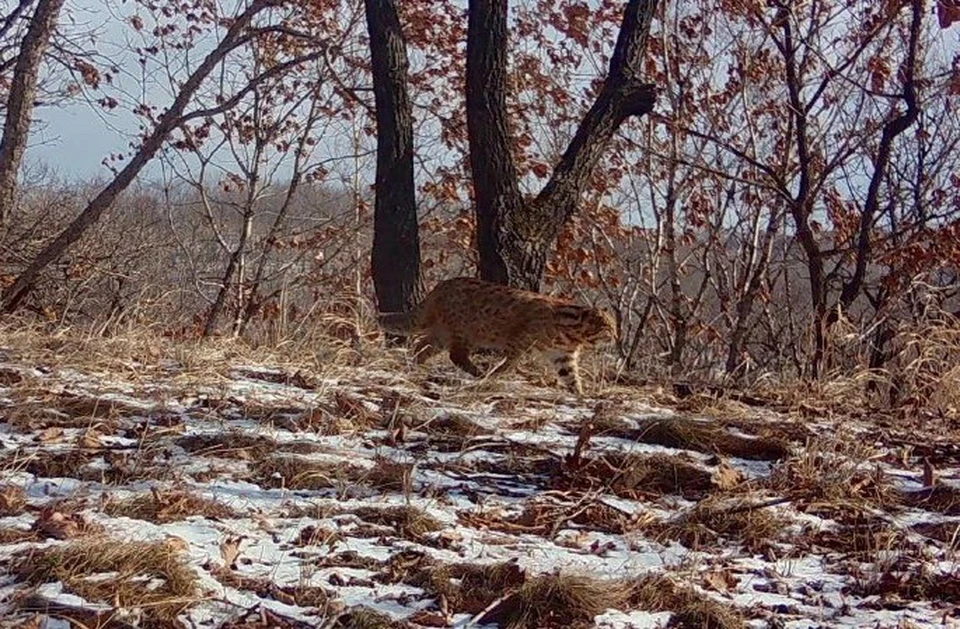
x,y
395,259
755,271
891,129
514,238
500,239
20,99
235,265
170,119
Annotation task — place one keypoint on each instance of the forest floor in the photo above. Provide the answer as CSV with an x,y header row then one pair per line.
x,y
152,485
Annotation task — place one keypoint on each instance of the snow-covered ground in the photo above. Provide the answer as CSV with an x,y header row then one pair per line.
x,y
322,482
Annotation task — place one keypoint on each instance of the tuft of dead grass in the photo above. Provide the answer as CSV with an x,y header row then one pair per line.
x,y
713,520
861,534
466,588
150,576
162,507
262,617
911,577
120,466
929,373
34,405
452,432
311,535
361,617
455,425
541,516
13,500
54,464
659,593
300,595
834,474
688,434
294,472
11,535
637,476
523,463
408,521
389,475
946,532
556,600
232,444
941,498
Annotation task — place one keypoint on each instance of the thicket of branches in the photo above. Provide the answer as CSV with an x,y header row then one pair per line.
x,y
790,208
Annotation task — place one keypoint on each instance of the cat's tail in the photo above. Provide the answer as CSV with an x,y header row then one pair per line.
x,y
399,323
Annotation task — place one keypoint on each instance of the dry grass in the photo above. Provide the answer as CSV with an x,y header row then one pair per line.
x,y
860,535
542,516
638,476
658,593
455,425
834,473
317,536
121,466
947,533
504,594
151,576
688,434
161,507
13,500
409,522
349,559
10,535
467,588
908,577
555,600
838,476
294,472
231,444
525,463
593,516
715,520
262,617
389,475
452,432
300,595
365,618
49,464
34,405
929,370
943,499
921,380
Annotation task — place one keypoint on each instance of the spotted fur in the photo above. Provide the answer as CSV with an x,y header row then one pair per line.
x,y
465,314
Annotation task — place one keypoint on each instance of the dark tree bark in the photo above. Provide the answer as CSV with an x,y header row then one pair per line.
x,y
172,118
23,90
514,237
395,259
893,127
501,238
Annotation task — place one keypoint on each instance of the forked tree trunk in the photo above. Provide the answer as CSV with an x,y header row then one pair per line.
x,y
395,259
881,160
20,99
514,237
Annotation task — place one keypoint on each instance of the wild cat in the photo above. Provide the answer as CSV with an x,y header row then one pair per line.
x,y
464,314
